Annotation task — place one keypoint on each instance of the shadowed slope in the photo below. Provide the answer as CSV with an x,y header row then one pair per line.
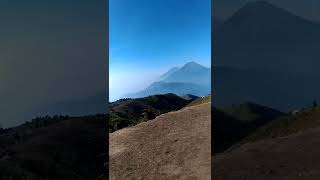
x,y
68,149
294,157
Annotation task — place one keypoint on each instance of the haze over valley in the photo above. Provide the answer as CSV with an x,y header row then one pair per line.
x,y
191,78
51,52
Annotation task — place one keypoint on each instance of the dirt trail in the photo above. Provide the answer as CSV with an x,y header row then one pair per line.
x,y
176,145
294,157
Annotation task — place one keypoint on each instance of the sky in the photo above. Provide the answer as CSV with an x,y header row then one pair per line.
x,y
308,9
147,38
50,51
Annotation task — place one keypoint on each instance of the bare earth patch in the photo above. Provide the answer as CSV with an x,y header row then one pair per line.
x,y
176,145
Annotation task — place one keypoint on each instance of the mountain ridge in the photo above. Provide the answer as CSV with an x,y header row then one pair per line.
x,y
128,112
168,73
171,87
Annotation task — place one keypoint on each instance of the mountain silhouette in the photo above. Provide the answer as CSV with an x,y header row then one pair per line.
x,y
263,13
191,73
263,35
192,78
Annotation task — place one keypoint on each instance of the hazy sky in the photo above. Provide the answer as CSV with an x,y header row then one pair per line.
x,y
308,9
50,51
149,37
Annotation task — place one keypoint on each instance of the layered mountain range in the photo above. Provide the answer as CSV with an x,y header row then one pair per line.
x,y
192,78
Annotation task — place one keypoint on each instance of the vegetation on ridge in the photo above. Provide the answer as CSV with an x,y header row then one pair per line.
x,y
129,112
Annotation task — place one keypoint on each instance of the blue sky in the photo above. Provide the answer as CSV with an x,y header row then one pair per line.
x,y
149,37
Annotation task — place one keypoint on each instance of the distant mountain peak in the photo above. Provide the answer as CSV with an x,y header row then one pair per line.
x,y
192,66
261,4
192,63
191,72
192,78
262,11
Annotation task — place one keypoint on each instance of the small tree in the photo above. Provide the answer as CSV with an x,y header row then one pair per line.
x,y
149,114
1,129
315,104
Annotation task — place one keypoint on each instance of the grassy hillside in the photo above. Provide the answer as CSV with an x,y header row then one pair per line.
x,y
250,112
175,145
199,101
56,147
190,97
233,124
290,124
129,112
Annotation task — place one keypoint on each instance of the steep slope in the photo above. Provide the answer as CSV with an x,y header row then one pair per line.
x,y
176,145
167,74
